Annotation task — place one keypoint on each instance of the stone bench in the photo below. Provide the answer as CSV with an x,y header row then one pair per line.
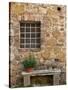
x,y
55,73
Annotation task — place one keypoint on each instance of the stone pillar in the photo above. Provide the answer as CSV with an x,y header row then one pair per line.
x,y
26,80
56,78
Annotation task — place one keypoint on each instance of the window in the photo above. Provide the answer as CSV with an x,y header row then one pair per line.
x,y
29,34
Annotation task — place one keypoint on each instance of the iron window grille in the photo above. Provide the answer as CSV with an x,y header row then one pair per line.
x,y
30,34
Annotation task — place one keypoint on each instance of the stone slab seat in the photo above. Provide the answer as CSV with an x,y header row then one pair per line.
x,y
55,73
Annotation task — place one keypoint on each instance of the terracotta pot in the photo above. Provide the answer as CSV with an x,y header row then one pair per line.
x,y
29,69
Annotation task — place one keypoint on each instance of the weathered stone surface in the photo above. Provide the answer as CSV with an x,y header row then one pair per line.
x,y
56,34
52,36
51,42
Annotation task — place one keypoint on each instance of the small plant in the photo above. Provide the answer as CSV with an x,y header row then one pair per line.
x,y
29,63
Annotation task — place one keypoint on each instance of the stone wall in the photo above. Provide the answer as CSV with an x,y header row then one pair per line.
x,y
52,18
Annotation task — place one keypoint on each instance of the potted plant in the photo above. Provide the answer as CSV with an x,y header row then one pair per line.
x,y
29,63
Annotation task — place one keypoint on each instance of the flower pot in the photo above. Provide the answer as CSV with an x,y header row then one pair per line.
x,y
29,69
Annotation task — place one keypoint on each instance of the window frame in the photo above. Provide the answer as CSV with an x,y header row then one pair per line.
x,y
38,45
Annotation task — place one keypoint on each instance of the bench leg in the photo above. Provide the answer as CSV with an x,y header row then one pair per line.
x,y
26,80
56,79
